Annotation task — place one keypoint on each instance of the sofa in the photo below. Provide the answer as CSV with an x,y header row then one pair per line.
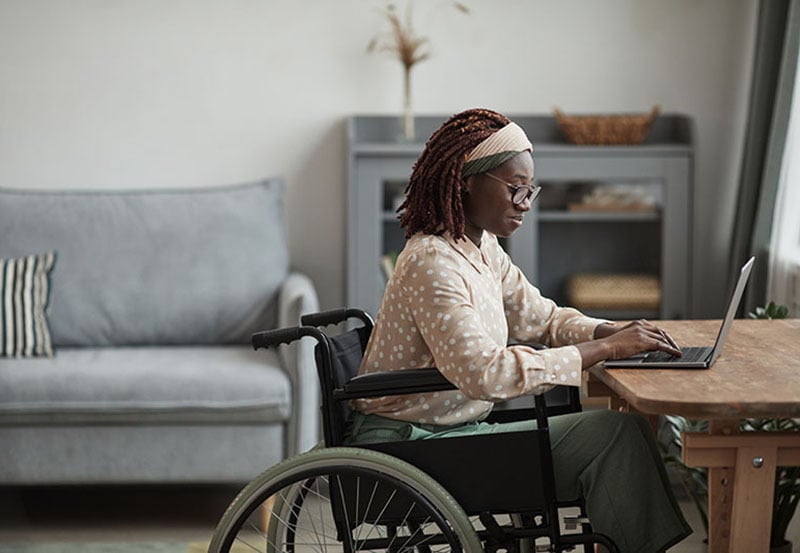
x,y
125,323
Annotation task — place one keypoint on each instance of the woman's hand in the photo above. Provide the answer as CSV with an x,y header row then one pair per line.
x,y
621,341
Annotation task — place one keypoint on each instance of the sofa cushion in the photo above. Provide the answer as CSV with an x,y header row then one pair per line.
x,y
24,297
145,385
188,266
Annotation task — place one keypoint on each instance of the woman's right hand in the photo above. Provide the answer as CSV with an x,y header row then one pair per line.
x,y
619,342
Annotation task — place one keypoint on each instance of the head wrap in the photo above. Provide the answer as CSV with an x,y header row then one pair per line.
x,y
496,150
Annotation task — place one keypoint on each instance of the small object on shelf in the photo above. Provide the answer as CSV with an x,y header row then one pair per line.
x,y
614,291
615,198
606,129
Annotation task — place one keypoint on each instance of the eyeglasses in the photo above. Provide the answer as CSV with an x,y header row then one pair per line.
x,y
519,192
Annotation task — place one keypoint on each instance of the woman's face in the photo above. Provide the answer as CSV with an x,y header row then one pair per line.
x,y
487,201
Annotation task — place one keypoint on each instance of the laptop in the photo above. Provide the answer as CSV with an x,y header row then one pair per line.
x,y
693,357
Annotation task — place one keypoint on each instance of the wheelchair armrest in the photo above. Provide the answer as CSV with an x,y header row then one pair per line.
x,y
394,383
534,345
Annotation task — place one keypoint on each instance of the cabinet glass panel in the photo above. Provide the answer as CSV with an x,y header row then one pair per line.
x,y
392,196
393,238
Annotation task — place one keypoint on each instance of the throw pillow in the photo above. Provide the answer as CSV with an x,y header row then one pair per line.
x,y
24,297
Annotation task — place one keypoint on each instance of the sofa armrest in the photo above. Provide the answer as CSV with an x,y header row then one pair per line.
x,y
298,296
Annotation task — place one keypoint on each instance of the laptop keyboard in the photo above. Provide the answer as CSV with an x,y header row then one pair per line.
x,y
689,354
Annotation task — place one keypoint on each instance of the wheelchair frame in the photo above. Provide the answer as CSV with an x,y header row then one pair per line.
x,y
518,484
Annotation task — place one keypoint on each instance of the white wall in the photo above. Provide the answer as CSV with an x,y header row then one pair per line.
x,y
176,93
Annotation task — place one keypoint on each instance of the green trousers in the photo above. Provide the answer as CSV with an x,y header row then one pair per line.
x,y
607,458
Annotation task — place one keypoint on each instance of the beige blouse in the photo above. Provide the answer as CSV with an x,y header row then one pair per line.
x,y
454,306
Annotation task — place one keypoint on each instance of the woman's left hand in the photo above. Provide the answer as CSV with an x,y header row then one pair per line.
x,y
619,341
604,330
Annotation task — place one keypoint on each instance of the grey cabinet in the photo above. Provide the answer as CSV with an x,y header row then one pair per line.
x,y
556,240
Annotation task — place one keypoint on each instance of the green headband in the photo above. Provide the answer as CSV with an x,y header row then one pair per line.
x,y
485,164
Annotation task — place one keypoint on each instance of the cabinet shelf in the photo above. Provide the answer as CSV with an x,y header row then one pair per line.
x,y
604,216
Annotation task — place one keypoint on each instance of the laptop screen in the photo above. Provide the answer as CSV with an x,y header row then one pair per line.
x,y
744,274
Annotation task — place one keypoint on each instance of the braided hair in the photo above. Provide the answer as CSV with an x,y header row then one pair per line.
x,y
433,195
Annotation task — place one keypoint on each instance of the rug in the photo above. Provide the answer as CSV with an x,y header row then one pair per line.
x,y
114,547
103,547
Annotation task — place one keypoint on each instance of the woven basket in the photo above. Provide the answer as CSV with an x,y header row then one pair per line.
x,y
606,129
602,291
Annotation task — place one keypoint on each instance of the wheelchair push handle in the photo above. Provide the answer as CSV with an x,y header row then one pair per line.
x,y
335,316
272,338
309,327
269,338
324,318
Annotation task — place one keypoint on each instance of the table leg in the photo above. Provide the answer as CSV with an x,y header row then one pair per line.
x,y
720,494
742,469
752,499
720,502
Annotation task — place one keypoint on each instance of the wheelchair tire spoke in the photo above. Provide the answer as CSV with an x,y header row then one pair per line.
x,y
368,508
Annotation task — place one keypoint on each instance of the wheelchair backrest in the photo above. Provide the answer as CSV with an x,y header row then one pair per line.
x,y
346,351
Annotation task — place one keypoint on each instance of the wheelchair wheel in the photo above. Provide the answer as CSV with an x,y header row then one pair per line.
x,y
345,499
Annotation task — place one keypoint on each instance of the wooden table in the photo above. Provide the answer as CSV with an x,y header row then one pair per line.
x,y
757,376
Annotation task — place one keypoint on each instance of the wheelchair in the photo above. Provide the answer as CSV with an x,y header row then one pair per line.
x,y
491,492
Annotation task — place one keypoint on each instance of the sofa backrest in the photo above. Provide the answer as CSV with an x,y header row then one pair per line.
x,y
196,266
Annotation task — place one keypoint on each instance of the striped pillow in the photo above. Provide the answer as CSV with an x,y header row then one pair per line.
x,y
24,295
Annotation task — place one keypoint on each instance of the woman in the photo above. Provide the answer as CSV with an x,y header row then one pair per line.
x,y
454,301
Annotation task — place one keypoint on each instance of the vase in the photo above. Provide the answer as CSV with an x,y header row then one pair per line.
x,y
408,112
785,547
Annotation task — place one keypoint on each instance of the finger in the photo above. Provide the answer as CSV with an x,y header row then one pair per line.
x,y
662,336
653,334
669,339
665,346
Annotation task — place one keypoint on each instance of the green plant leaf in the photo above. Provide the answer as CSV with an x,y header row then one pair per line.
x,y
771,311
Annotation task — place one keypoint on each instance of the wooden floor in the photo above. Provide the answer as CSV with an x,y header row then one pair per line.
x,y
78,514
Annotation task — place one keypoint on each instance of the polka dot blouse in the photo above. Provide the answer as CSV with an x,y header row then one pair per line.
x,y
455,306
